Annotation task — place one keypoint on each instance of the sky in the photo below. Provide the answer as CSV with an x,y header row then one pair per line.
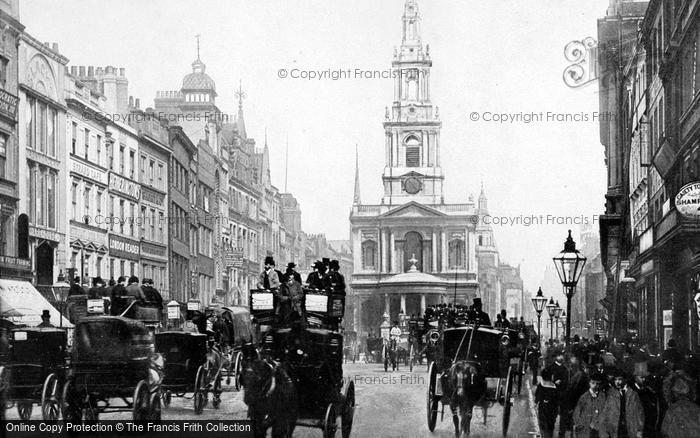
x,y
489,57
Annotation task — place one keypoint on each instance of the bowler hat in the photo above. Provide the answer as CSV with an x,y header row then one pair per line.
x,y
291,265
269,261
46,314
335,264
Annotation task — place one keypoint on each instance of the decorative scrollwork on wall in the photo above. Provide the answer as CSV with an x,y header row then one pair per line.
x,y
583,68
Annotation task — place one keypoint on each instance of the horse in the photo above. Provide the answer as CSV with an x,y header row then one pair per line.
x,y
390,355
465,388
270,395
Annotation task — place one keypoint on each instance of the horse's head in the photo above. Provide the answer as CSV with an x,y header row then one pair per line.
x,y
259,379
464,377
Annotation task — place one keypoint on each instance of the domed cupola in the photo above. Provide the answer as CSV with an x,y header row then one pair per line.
x,y
198,86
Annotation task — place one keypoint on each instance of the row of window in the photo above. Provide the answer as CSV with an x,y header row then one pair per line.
x,y
243,203
41,127
180,177
41,197
456,255
153,172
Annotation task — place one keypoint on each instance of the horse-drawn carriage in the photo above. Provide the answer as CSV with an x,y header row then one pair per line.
x,y
466,358
34,370
374,352
298,374
112,358
185,357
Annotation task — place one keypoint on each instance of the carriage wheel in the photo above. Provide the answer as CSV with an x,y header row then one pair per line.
x,y
141,406
431,400
71,405
199,391
348,410
167,398
237,370
329,422
155,411
411,358
49,398
24,409
521,373
506,400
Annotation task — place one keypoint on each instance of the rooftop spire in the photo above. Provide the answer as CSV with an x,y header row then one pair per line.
x,y
240,121
356,198
197,36
198,66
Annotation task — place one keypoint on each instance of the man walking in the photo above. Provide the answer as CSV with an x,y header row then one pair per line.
x,y
589,409
623,415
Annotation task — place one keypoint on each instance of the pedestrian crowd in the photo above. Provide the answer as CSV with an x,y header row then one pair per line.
x,y
597,388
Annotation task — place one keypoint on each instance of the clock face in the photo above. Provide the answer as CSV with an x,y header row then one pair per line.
x,y
412,185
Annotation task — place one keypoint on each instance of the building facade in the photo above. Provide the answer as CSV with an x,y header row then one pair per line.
x,y
412,249
42,147
14,255
649,247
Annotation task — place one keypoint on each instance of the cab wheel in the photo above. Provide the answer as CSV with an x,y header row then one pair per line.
x,y
141,406
49,398
24,409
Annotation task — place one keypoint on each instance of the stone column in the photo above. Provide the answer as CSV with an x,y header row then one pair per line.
x,y
358,315
403,303
443,250
382,243
387,305
434,266
392,252
422,304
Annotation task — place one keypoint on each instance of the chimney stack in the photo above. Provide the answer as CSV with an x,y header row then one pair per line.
x,y
91,71
81,71
74,70
55,47
131,101
122,72
138,103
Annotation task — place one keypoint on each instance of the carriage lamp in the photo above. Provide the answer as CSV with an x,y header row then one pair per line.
x,y
550,310
557,314
60,293
569,264
538,302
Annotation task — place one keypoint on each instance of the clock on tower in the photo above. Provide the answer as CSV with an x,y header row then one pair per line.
x,y
412,185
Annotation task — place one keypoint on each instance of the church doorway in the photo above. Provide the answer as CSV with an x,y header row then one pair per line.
x,y
413,251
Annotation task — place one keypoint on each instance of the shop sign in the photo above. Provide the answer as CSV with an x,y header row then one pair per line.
x,y
667,317
688,200
125,248
152,197
123,185
89,172
44,234
8,104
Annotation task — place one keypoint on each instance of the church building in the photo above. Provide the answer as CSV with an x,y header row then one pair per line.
x,y
412,249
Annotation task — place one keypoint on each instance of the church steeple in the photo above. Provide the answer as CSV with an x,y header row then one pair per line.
x,y
412,127
483,201
356,197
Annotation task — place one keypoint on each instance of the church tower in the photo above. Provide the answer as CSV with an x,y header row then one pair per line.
x,y
412,127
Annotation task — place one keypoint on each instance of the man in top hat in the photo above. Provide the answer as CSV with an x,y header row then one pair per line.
x,y
118,291
558,373
336,278
318,278
623,415
46,320
269,279
589,409
650,398
481,316
291,271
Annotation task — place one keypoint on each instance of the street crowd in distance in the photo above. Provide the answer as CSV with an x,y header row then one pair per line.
x,y
602,388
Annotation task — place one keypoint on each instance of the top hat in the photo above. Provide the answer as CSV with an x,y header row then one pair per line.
x,y
46,314
477,300
269,261
326,260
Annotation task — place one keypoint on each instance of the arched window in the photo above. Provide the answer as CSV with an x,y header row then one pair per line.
x,y
413,250
369,254
456,253
413,145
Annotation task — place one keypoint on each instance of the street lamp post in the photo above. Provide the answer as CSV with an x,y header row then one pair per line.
x,y
60,294
569,264
557,315
538,302
550,310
